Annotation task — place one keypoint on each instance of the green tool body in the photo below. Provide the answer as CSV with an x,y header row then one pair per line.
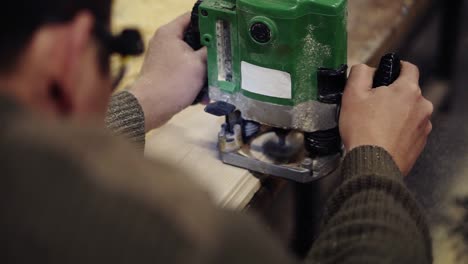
x,y
264,58
276,71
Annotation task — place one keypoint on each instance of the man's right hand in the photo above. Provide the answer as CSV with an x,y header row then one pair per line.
x,y
172,74
396,118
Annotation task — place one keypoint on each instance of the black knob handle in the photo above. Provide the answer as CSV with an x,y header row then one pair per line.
x,y
128,43
389,70
192,34
323,143
327,142
331,84
193,39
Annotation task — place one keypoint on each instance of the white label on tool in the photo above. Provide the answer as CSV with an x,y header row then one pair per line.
x,y
266,81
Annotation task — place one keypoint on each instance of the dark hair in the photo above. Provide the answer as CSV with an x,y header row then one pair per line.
x,y
21,18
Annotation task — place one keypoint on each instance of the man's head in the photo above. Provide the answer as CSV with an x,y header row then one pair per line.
x,y
51,58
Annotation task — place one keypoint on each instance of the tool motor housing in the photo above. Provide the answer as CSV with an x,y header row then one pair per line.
x,y
265,56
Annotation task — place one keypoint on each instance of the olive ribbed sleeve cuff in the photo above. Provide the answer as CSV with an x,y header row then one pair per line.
x,y
373,215
370,160
125,117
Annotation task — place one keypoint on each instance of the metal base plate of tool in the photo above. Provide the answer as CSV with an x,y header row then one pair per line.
x,y
281,155
289,154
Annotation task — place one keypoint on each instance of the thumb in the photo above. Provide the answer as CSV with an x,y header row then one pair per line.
x,y
360,79
179,25
202,54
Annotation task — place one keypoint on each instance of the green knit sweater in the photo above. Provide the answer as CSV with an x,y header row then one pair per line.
x,y
71,193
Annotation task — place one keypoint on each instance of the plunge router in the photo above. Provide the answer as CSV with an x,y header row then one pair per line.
x,y
277,71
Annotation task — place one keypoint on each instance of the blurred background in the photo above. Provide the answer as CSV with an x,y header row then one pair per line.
x,y
441,175
147,16
439,46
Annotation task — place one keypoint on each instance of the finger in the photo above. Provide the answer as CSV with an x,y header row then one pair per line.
x,y
202,54
425,111
429,107
179,25
429,125
409,74
420,145
423,123
429,128
416,149
360,78
206,100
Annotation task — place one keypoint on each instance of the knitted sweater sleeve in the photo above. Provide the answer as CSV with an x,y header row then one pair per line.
x,y
372,217
125,117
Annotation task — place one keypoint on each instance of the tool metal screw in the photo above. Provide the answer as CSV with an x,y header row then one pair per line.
x,y
307,163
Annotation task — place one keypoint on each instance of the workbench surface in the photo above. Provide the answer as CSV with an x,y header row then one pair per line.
x,y
375,26
189,140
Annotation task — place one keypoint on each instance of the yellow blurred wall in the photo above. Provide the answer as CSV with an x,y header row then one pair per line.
x,y
147,15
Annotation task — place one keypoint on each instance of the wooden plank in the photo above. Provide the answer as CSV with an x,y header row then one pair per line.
x,y
189,140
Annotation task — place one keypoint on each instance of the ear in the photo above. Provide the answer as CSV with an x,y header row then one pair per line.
x,y
77,38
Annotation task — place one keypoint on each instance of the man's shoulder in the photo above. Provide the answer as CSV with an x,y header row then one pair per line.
x,y
31,134
40,148
31,145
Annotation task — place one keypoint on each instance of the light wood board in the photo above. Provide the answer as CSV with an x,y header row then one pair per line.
x,y
189,140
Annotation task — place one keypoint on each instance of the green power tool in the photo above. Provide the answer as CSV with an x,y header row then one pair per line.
x,y
276,71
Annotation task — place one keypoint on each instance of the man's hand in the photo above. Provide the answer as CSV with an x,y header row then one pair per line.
x,y
396,118
172,75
